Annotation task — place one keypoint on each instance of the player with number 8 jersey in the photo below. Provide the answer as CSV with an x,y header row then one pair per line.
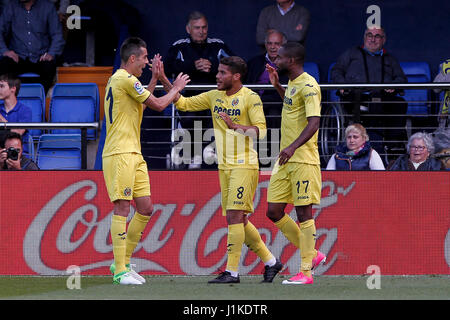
x,y
238,119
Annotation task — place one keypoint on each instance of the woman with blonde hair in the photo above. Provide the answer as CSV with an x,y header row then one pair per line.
x,y
356,152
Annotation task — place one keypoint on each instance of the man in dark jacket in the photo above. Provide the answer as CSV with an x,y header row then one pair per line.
x,y
257,74
198,56
371,63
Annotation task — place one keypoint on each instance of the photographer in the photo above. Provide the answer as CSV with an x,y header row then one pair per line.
x,y
11,154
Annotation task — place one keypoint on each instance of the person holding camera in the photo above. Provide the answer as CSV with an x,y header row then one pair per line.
x,y
371,63
11,154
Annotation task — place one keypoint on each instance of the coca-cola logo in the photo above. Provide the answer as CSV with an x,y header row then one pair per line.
x,y
157,238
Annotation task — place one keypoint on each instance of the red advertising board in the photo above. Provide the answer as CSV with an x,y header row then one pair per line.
x,y
50,220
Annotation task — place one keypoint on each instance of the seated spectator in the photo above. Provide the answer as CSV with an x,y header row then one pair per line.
x,y
11,157
12,110
198,56
257,74
441,140
285,16
371,63
356,153
420,148
444,76
31,38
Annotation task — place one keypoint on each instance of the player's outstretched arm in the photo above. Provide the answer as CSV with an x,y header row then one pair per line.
x,y
160,103
275,80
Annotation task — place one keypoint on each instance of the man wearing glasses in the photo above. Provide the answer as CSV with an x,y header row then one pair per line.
x,y
371,63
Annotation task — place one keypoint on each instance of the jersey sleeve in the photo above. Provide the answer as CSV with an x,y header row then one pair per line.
x,y
311,95
134,89
199,102
256,114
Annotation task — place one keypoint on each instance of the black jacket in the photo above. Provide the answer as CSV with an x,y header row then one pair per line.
x,y
404,164
183,53
350,67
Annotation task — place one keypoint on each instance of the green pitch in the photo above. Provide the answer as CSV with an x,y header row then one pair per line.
x,y
429,287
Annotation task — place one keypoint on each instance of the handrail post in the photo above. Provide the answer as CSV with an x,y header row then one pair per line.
x,y
83,148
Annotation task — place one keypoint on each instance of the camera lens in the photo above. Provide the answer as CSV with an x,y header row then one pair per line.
x,y
12,153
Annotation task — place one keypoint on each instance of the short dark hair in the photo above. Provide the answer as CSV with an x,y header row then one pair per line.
x,y
295,50
236,65
131,46
13,135
12,80
195,15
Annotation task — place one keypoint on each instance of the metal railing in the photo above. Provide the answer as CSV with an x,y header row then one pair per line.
x,y
83,126
332,125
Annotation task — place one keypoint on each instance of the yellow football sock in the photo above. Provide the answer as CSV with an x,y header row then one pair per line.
x,y
290,229
236,236
118,237
135,230
307,245
254,242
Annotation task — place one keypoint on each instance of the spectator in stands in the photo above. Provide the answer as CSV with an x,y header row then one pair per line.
x,y
420,148
31,38
371,63
444,76
12,110
356,152
286,16
199,56
11,157
61,8
257,74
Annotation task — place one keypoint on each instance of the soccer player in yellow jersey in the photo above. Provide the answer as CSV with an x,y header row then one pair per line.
x,y
296,177
238,118
124,169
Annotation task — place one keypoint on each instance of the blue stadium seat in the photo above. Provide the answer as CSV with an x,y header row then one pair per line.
x,y
312,69
417,98
59,152
33,96
75,102
29,75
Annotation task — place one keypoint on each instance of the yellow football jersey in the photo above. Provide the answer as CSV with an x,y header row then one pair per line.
x,y
301,100
234,149
124,95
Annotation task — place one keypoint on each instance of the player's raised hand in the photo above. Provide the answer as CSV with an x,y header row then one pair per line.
x,y
181,81
273,75
155,65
